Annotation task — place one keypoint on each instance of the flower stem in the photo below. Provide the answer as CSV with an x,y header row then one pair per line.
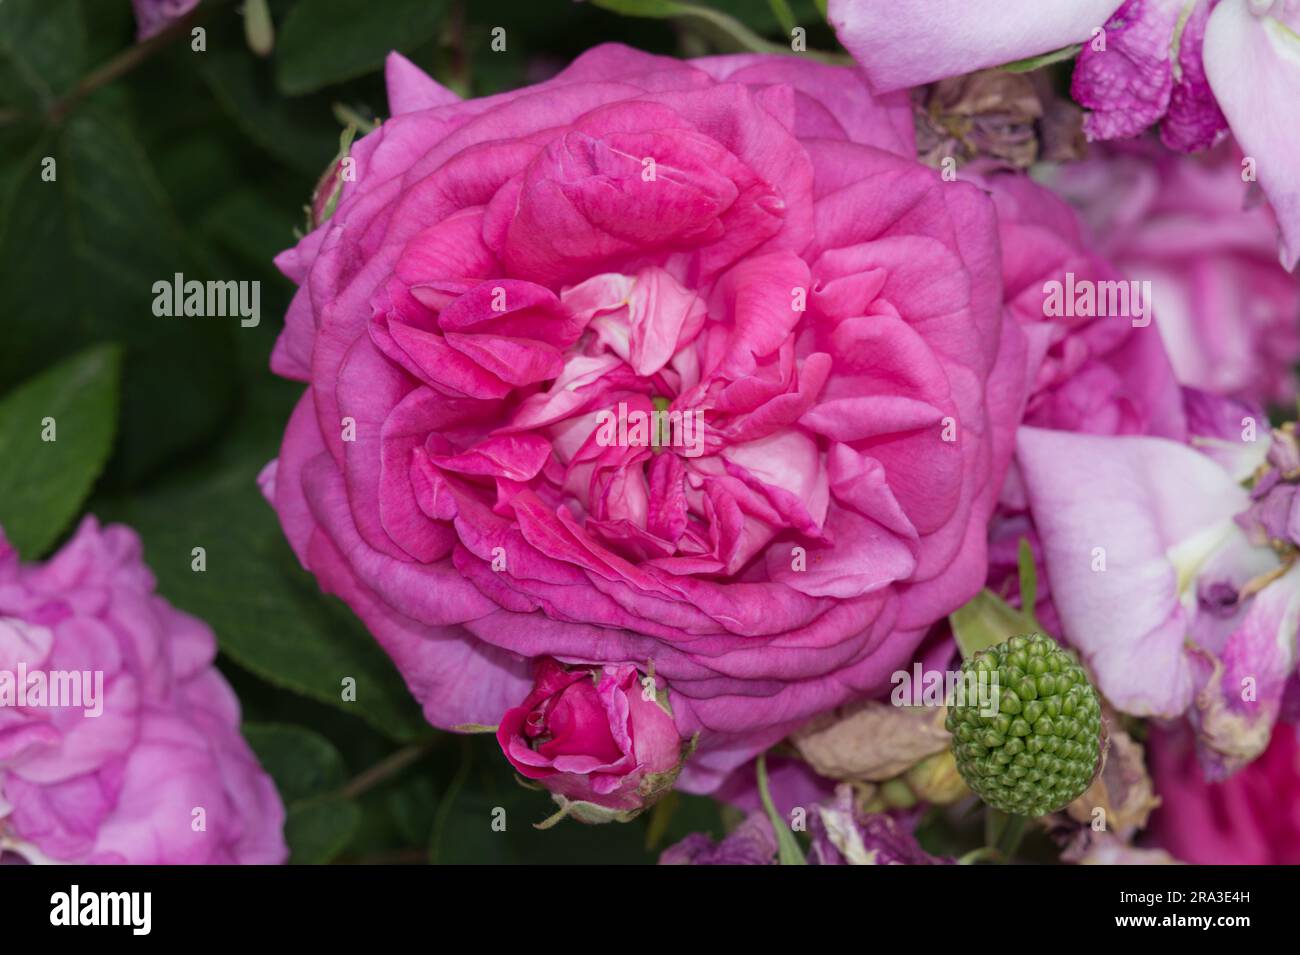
x,y
788,851
125,61
1009,840
386,768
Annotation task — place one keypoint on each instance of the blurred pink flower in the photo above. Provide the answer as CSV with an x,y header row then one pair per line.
x,y
1103,374
132,784
1228,313
1172,606
154,16
1251,819
1180,60
1093,373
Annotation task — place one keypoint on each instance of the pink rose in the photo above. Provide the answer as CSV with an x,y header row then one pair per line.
x,y
1228,313
598,739
1252,818
149,745
745,243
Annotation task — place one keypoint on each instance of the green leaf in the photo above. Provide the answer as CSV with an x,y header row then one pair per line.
x,y
1028,580
725,30
247,223
44,482
985,621
268,613
1029,64
303,764
788,851
82,253
784,15
319,829
410,805
301,133
42,50
644,8
328,41
719,25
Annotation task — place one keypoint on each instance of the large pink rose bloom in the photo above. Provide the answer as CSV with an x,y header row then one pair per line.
x,y
1253,818
1229,314
745,241
125,785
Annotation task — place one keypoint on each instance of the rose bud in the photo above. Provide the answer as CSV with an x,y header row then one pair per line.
x,y
596,737
154,16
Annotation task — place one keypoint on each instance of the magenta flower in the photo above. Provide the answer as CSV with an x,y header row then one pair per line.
x,y
1149,71
742,246
1176,61
160,774
154,16
1251,819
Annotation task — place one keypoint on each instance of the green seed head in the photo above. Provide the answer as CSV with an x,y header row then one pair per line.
x,y
1032,746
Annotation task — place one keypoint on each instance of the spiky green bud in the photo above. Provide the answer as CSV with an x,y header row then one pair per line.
x,y
1032,746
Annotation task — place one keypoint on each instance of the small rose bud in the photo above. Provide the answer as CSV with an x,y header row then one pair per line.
x,y
594,738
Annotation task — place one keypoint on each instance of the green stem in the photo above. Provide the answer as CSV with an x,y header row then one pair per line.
x,y
1010,838
788,850
386,768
